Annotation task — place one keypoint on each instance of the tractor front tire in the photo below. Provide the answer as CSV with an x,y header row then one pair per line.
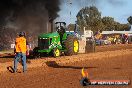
x,y
56,52
71,45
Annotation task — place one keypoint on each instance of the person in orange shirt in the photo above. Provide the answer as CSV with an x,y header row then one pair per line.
x,y
20,50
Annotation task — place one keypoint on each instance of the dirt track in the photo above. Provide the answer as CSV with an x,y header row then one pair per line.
x,y
65,71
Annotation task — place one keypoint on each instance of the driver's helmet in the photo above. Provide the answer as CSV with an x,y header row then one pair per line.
x,y
61,27
21,33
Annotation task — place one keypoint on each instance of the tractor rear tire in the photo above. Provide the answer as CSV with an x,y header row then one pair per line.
x,y
71,45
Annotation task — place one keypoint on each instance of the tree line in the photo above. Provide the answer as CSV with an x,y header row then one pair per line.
x,y
90,18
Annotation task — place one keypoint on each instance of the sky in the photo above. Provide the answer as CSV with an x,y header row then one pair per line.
x,y
120,10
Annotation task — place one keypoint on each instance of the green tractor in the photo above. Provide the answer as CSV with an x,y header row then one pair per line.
x,y
57,42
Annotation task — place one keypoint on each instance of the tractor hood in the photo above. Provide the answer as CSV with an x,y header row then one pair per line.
x,y
48,35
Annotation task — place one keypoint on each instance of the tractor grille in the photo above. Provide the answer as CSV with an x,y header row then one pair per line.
x,y
43,43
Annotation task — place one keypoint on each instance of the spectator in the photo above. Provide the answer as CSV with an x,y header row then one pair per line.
x,y
20,50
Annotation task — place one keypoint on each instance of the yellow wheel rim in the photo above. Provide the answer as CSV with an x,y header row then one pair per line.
x,y
57,52
76,46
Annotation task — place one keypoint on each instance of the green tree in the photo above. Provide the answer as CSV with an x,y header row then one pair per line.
x,y
129,19
71,27
109,23
89,17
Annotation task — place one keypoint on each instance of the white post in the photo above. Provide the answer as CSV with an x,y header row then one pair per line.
x,y
131,28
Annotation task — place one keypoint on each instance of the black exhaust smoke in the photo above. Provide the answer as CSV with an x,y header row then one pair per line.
x,y
30,16
27,13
